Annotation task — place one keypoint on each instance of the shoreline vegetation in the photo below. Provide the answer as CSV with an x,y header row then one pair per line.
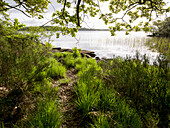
x,y
49,28
46,87
41,86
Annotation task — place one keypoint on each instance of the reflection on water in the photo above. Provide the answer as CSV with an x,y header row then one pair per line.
x,y
106,46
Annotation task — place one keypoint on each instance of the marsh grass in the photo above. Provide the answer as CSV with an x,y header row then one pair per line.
x,y
69,61
143,86
87,91
57,55
101,122
47,115
161,44
56,70
94,95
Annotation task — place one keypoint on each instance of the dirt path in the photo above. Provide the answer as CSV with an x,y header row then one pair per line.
x,y
67,98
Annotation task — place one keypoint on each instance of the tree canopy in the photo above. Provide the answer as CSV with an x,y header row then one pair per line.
x,y
161,28
121,15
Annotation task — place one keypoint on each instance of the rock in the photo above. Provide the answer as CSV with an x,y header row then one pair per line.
x,y
91,53
97,58
58,48
87,52
82,55
66,50
54,51
87,55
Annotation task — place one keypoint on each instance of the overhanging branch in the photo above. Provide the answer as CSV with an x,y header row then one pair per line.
x,y
78,18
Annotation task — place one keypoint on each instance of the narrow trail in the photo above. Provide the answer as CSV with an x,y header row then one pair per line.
x,y
67,97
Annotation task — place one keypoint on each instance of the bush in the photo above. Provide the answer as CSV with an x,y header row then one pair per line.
x,y
144,86
21,59
161,28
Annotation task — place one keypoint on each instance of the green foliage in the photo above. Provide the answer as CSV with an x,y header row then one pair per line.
x,y
69,61
45,111
76,52
87,88
71,13
137,81
58,55
107,99
33,8
101,122
125,116
95,96
19,56
56,70
47,115
161,28
161,44
23,73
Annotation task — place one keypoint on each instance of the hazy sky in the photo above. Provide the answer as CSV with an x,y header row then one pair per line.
x,y
90,22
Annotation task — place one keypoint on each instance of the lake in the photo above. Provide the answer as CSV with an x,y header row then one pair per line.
x,y
105,45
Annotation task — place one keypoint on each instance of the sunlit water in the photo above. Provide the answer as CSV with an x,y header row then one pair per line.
x,y
105,45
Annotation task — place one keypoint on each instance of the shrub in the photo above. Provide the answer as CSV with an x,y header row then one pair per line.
x,y
144,86
21,58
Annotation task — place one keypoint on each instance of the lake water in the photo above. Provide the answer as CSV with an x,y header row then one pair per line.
x,y
105,45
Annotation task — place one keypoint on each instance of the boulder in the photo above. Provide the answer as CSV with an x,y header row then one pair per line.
x,y
91,53
83,53
87,55
58,48
66,50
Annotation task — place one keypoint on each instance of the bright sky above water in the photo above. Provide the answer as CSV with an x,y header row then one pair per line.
x,y
89,22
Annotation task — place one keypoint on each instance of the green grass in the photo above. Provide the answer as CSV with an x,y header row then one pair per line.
x,y
101,122
56,70
46,116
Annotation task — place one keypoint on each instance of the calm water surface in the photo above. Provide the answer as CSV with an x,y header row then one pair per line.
x,y
105,45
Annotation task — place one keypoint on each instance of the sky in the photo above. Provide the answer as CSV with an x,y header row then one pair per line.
x,y
90,22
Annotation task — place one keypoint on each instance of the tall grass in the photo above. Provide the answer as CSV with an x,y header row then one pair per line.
x,y
47,115
144,86
93,95
87,89
101,122
56,70
161,44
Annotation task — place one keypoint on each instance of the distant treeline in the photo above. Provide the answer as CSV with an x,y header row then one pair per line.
x,y
54,28
46,28
90,29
